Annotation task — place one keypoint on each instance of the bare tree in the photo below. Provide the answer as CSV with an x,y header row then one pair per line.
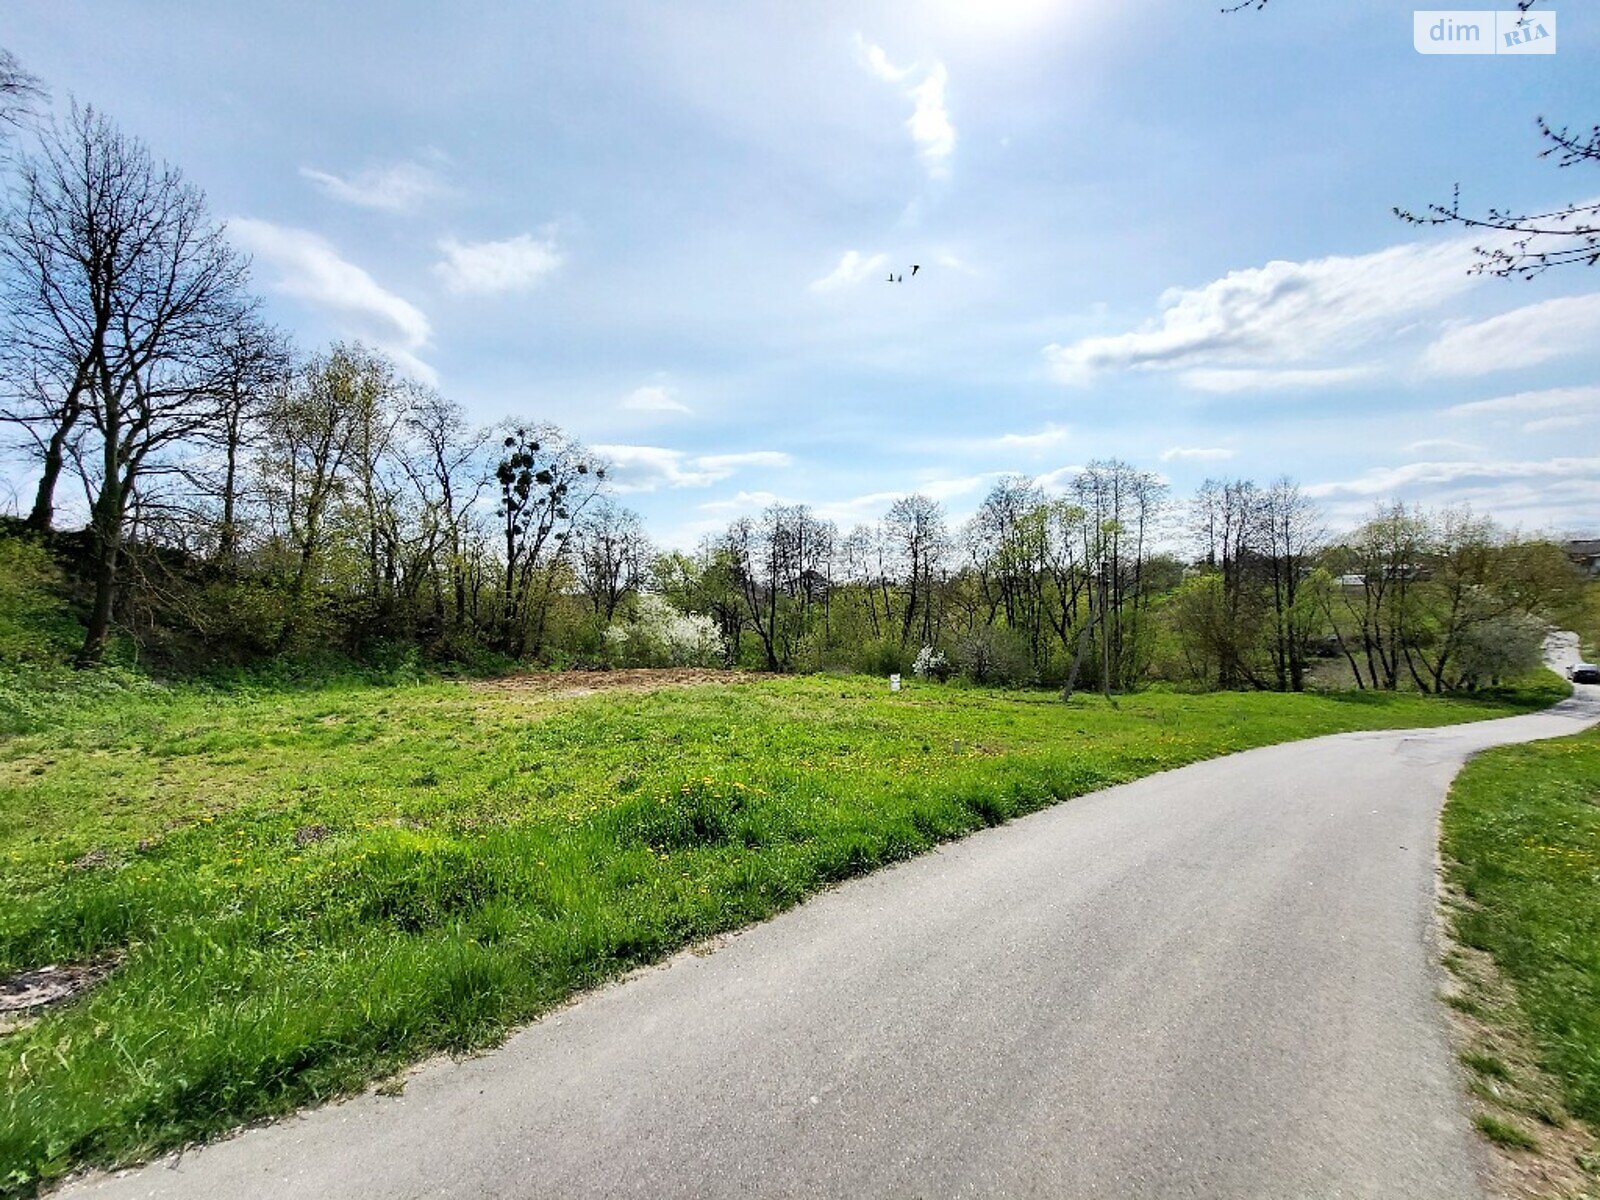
x,y
613,555
782,568
1291,537
859,555
252,365
20,93
69,246
171,283
449,472
310,429
1119,503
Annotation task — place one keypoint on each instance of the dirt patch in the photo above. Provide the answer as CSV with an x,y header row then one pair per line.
x,y
22,994
310,835
1510,1094
587,683
92,860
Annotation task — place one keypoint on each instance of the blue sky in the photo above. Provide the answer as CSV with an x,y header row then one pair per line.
x,y
1146,230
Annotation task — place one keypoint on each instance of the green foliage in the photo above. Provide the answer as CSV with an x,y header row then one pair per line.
x,y
993,654
1502,647
38,698
35,622
1522,839
1582,613
883,656
313,882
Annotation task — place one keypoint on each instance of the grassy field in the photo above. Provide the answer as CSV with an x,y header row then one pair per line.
x,y
305,889
1522,839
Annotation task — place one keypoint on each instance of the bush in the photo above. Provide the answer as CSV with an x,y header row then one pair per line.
x,y
987,654
655,634
931,664
1496,650
882,656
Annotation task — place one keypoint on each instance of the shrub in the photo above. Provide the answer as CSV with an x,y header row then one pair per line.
x,y
987,654
1499,649
882,656
931,664
655,634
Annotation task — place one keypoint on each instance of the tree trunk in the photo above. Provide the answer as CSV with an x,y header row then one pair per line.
x,y
228,538
108,549
43,512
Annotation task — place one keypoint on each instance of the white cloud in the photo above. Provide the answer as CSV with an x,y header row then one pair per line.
x,y
647,468
878,62
853,268
654,398
1440,445
1555,494
727,464
1412,477
1523,337
1058,481
949,489
1248,379
1047,438
741,504
869,507
395,188
311,270
1197,454
485,268
929,124
1585,400
1281,315
1551,424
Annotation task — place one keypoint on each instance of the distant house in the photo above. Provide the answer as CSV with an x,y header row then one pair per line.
x,y
1585,555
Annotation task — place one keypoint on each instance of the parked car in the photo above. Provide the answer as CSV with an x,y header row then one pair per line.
x,y
1583,673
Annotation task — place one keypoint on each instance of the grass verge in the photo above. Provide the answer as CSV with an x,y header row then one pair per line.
x,y
307,888
1521,841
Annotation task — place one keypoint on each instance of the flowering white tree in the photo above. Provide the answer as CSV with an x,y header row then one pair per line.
x,y
655,634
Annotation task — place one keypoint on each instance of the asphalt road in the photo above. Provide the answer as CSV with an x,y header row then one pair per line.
x,y
1216,982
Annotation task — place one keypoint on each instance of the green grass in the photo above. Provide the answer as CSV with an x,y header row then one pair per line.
x,y
1504,1133
1486,1064
1522,840
310,887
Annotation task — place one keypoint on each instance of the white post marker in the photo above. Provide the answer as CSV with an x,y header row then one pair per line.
x,y
894,683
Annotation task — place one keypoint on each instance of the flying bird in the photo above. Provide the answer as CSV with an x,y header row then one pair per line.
x,y
915,267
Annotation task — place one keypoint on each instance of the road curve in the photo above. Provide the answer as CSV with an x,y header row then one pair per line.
x,y
1216,982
